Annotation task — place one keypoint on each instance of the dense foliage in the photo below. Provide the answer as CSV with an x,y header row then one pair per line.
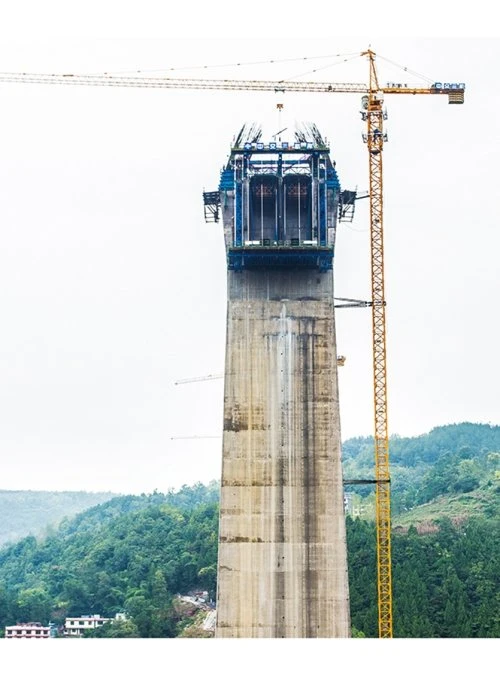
x,y
458,458
113,558
134,553
445,584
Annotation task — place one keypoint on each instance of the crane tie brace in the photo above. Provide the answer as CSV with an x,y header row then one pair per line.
x,y
374,138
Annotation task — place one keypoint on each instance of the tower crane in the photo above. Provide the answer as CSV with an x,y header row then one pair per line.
x,y
375,137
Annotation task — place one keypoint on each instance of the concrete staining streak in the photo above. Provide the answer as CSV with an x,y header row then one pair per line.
x,y
282,549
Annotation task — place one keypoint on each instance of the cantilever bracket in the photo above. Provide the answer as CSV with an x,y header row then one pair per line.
x,y
367,481
347,204
211,204
352,303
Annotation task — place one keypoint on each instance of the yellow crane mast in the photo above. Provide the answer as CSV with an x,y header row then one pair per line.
x,y
375,136
374,116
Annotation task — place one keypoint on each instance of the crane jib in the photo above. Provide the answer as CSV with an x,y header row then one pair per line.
x,y
453,88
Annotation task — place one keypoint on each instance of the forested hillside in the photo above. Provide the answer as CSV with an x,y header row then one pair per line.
x,y
134,553
131,554
446,584
31,512
453,470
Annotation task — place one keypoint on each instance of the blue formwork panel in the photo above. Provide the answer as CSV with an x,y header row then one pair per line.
x,y
282,196
332,179
226,180
314,258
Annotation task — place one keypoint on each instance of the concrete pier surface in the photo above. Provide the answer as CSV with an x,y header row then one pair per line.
x,y
282,569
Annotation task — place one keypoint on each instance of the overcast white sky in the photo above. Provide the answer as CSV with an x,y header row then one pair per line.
x,y
113,286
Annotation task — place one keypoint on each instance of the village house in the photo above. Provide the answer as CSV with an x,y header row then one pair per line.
x,y
27,631
75,627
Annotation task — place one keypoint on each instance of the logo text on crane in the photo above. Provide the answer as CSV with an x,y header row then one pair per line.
x,y
448,85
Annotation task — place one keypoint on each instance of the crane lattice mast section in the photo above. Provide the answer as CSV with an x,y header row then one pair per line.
x,y
374,137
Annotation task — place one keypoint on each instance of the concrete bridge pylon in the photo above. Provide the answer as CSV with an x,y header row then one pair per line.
x,y
282,565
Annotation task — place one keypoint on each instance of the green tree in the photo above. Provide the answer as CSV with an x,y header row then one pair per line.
x,y
116,629
162,624
456,620
139,608
468,476
34,604
208,577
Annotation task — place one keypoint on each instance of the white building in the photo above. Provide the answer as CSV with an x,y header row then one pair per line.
x,y
27,631
352,504
75,627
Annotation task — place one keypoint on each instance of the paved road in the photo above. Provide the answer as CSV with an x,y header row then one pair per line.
x,y
209,623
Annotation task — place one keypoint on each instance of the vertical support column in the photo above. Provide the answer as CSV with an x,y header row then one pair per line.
x,y
282,568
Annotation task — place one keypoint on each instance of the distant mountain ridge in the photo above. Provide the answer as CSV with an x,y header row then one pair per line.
x,y
26,513
453,471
